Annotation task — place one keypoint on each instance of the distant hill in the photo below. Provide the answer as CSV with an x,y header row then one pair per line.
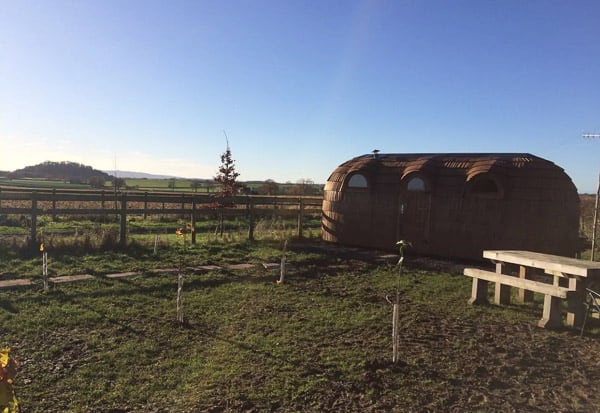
x,y
138,175
65,171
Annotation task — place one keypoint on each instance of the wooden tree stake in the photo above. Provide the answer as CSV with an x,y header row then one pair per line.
x,y
282,268
395,333
156,241
180,298
45,270
396,305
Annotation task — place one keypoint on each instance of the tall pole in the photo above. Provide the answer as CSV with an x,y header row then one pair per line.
x,y
595,225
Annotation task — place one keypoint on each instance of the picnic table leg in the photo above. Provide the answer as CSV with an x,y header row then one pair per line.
x,y
575,302
501,292
551,317
479,291
525,296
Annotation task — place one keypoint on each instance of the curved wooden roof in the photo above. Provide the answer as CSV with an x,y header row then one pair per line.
x,y
471,163
390,168
449,160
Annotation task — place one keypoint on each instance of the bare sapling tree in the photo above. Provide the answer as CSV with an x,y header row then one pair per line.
x,y
228,185
402,245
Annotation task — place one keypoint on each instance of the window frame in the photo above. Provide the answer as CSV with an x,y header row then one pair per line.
x,y
349,179
407,179
476,180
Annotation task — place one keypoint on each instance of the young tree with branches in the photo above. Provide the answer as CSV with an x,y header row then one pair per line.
x,y
227,179
227,175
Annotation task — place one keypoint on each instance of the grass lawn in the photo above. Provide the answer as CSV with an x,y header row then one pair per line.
x,y
319,342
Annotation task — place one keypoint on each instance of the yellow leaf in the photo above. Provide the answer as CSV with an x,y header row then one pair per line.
x,y
4,357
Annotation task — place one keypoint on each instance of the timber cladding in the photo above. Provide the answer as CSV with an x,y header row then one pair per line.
x,y
452,205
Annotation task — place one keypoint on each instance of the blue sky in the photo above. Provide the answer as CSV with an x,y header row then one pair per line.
x,y
298,86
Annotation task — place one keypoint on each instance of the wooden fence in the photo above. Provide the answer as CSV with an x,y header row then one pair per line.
x,y
104,203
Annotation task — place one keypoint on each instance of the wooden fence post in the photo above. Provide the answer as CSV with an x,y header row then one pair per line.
x,y
183,205
193,221
33,233
145,204
53,204
300,217
250,207
123,231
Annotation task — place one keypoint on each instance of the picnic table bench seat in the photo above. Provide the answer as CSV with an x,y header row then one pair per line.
x,y
559,278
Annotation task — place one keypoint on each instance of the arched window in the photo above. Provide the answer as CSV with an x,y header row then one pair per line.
x,y
416,184
484,186
357,181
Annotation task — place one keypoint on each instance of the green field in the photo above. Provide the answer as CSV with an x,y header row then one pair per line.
x,y
180,185
162,185
40,183
177,185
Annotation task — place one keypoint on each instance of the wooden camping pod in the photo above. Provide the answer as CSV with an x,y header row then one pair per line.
x,y
452,205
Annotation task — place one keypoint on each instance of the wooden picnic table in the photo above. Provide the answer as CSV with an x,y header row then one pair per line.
x,y
558,278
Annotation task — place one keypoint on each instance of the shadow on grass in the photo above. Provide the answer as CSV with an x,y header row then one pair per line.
x,y
8,307
121,325
309,365
163,284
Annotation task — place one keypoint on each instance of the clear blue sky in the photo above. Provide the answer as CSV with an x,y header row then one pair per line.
x,y
298,86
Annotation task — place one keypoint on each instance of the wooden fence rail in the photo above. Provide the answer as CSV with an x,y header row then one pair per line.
x,y
103,203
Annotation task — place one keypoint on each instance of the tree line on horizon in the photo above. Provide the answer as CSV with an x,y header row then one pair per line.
x,y
77,173
71,172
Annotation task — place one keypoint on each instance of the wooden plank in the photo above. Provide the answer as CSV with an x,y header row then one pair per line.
x,y
15,196
575,302
159,197
552,314
80,211
556,273
71,278
540,287
502,291
83,197
548,262
19,282
479,291
525,296
16,211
